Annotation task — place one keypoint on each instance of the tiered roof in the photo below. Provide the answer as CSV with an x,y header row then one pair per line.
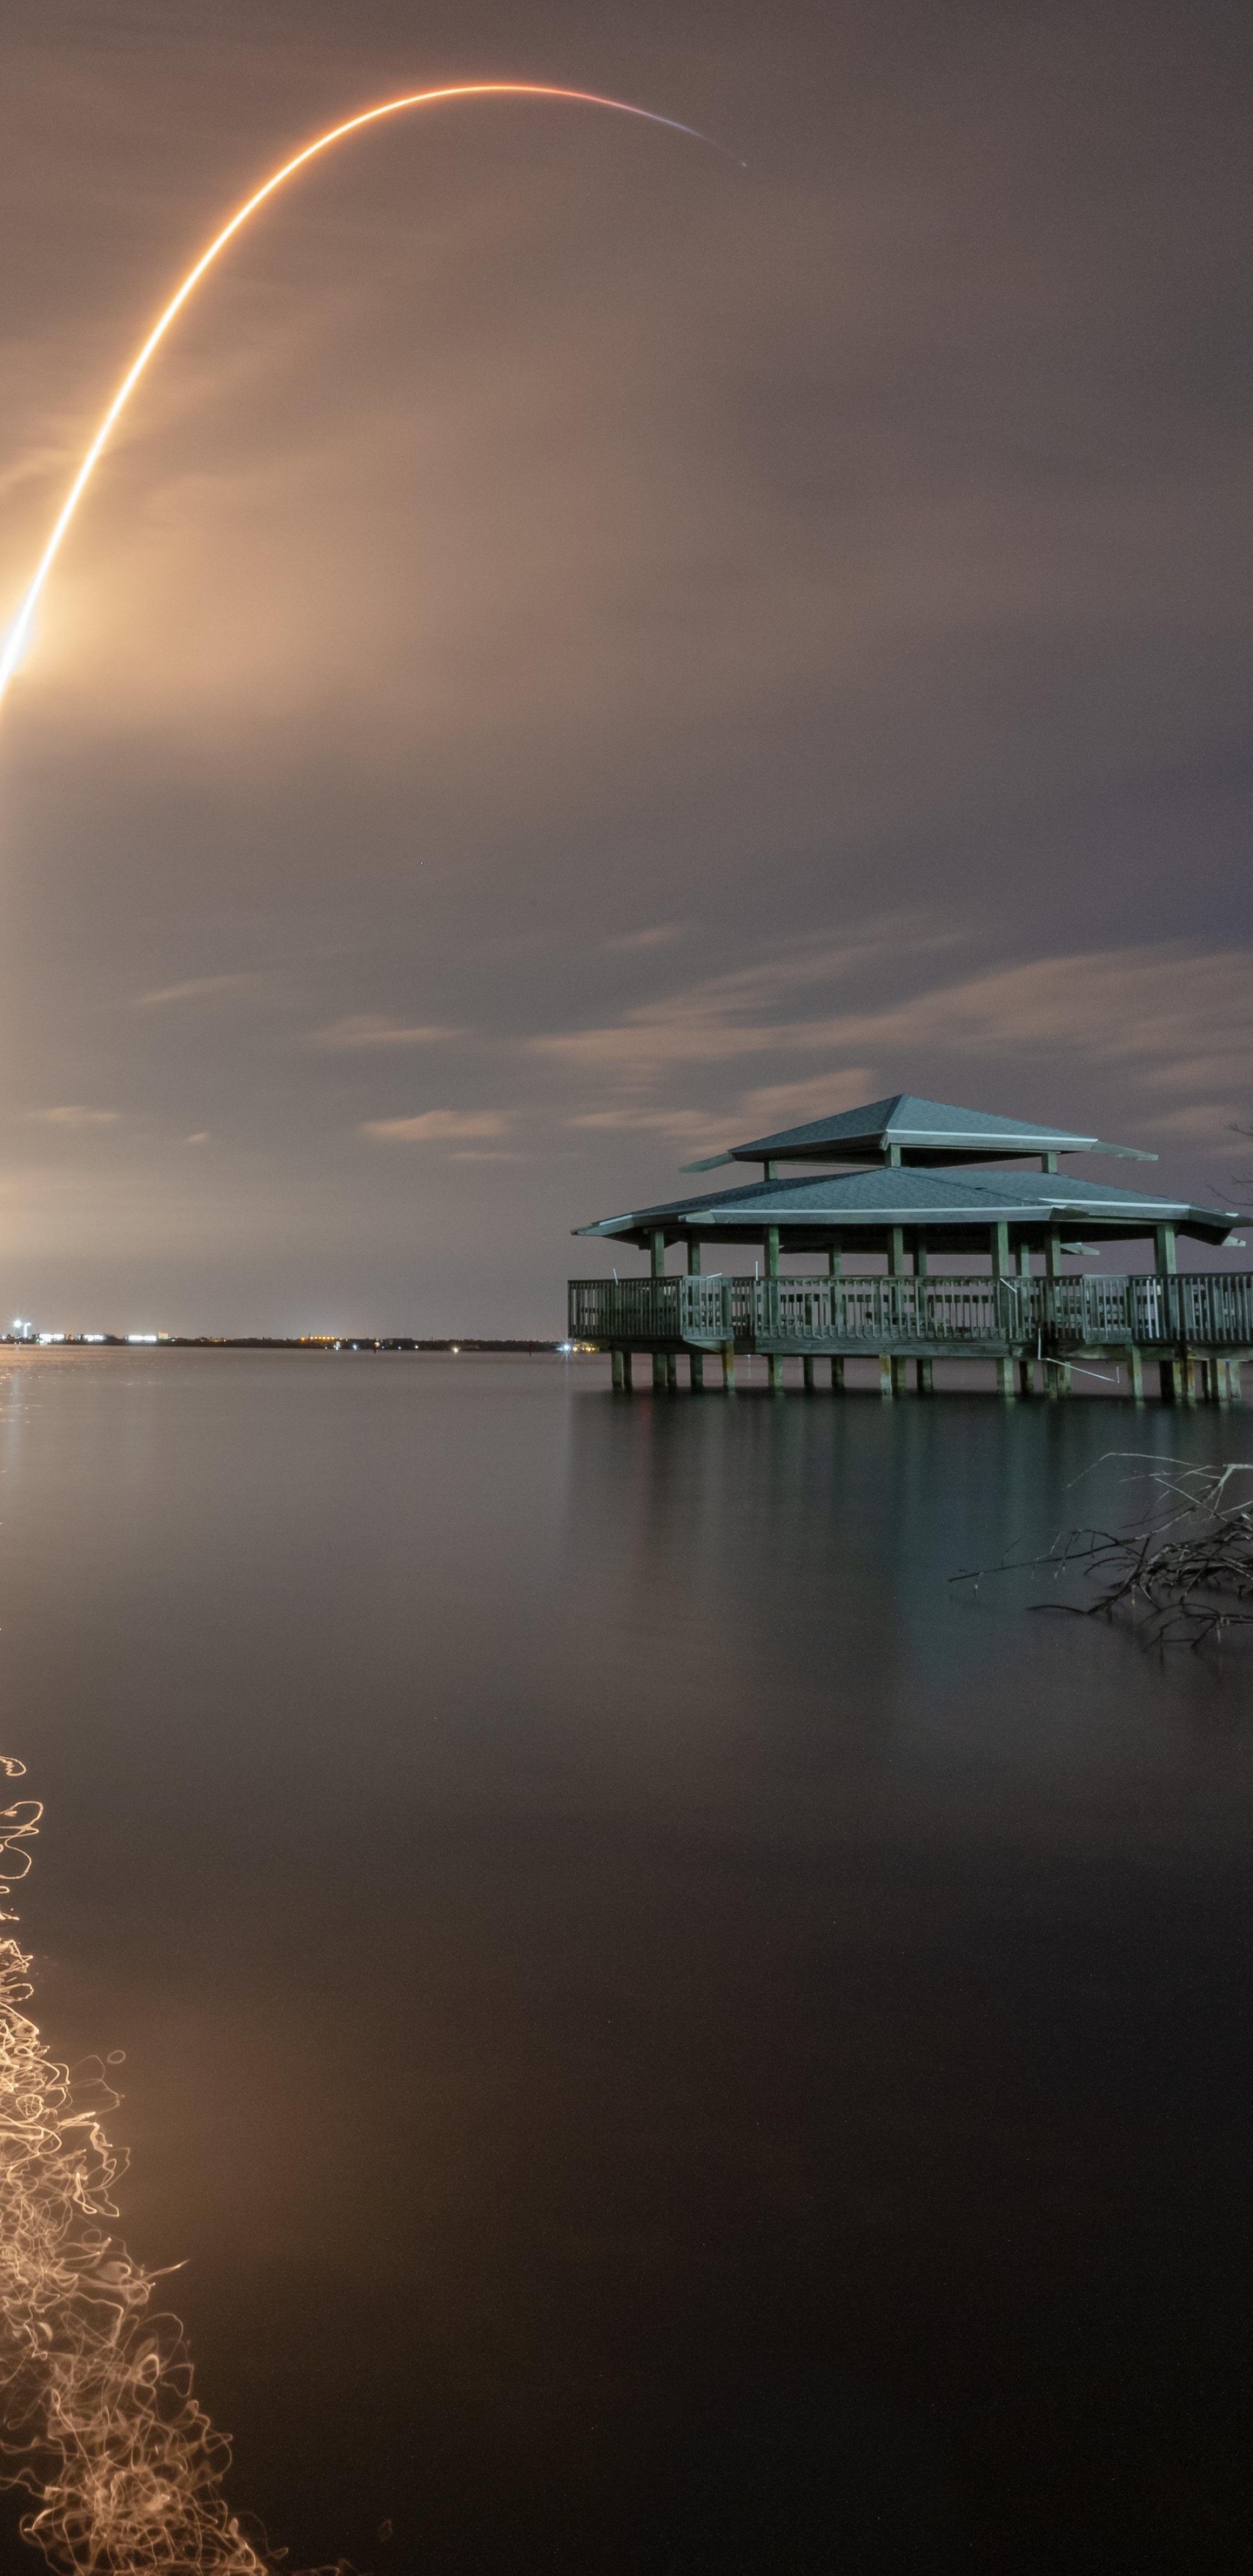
x,y
952,1209
906,1129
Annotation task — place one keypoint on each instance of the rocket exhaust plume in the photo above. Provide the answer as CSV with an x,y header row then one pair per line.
x,y
19,633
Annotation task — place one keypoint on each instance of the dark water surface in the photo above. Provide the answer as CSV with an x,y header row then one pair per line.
x,y
669,2039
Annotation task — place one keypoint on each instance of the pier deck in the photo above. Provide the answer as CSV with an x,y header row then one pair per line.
x,y
1195,1326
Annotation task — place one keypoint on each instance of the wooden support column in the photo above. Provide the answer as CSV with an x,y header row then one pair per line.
x,y
697,1365
657,1251
1174,1374
770,1244
925,1371
887,1375
1056,1377
837,1366
896,1270
807,1373
998,1244
1135,1374
1233,1380
728,1368
627,1381
1026,1366
617,1371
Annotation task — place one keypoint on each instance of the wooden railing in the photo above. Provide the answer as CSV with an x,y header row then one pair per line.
x,y
1210,1310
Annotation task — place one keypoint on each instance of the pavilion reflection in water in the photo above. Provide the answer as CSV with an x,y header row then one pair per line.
x,y
916,1183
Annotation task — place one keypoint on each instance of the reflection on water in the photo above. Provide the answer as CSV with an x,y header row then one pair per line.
x,y
674,2040
95,2391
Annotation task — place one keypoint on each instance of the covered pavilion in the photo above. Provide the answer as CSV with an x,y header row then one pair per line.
x,y
925,1191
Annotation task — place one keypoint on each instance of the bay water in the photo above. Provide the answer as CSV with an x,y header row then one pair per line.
x,y
669,2037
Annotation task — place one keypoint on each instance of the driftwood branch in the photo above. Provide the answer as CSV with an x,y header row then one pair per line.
x,y
1181,1570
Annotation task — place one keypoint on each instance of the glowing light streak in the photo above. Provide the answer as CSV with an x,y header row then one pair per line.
x,y
98,2422
19,633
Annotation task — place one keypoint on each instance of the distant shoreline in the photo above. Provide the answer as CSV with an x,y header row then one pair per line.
x,y
273,1342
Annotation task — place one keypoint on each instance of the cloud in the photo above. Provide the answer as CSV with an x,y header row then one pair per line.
x,y
73,1115
658,937
789,1104
1174,1017
201,988
437,1126
661,1122
363,1029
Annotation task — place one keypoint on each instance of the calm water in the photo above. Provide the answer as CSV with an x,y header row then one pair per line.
x,y
669,2039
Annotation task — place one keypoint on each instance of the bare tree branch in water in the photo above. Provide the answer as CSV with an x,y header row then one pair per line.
x,y
1182,1570
97,2414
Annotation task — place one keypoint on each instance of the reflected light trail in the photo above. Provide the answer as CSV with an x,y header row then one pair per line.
x,y
18,638
98,2422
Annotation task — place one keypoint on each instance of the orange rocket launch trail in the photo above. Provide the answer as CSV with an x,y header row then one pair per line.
x,y
19,633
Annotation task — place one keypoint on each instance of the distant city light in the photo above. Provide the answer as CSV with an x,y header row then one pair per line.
x,y
143,1337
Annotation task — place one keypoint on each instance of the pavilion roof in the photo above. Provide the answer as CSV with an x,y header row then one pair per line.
x,y
953,1209
923,1131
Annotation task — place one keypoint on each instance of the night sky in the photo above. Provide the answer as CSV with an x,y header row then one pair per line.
x,y
581,652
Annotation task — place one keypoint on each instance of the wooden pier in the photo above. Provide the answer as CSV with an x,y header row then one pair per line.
x,y
1193,1329
924,1187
